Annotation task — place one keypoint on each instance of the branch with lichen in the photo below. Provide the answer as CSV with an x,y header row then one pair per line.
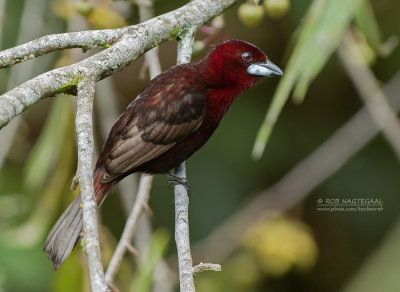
x,y
182,239
84,131
85,40
127,45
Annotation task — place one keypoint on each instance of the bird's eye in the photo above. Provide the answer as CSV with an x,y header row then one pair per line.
x,y
247,57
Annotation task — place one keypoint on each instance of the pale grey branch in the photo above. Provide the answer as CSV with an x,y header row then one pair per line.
x,y
206,267
84,131
51,43
182,238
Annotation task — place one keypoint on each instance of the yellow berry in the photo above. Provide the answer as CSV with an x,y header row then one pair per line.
x,y
83,8
277,8
250,14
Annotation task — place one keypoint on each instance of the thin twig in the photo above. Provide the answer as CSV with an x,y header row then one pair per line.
x,y
130,227
151,57
300,180
370,92
84,130
206,267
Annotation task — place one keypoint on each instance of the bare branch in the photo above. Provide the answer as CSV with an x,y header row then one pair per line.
x,y
48,84
130,227
182,234
300,180
151,57
145,9
84,131
55,42
206,267
136,41
182,238
369,90
185,51
132,250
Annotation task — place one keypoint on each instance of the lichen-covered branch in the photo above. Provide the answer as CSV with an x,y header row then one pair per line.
x,y
182,239
84,131
47,84
135,41
51,43
205,267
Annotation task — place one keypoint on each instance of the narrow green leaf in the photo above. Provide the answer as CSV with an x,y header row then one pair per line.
x,y
47,148
320,35
366,22
148,263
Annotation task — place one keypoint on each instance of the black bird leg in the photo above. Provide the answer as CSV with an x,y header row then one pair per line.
x,y
177,180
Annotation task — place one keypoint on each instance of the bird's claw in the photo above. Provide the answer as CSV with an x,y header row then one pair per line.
x,y
177,180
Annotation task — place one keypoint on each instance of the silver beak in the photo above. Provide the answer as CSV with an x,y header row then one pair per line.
x,y
265,69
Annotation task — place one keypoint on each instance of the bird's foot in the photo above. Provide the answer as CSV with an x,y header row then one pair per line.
x,y
177,180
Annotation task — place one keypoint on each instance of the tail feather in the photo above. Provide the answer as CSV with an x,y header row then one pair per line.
x,y
66,232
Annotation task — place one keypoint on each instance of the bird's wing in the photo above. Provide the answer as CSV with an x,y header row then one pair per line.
x,y
149,127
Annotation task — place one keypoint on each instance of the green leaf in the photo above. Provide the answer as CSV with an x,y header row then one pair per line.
x,y
71,276
366,22
47,148
319,37
148,263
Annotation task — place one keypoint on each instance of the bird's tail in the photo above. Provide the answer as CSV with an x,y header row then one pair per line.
x,y
66,233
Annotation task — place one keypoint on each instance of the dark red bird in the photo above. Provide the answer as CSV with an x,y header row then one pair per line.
x,y
172,117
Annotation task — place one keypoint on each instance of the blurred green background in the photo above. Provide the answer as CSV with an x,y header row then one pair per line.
x,y
296,249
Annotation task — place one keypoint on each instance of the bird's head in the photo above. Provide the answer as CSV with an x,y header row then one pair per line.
x,y
236,63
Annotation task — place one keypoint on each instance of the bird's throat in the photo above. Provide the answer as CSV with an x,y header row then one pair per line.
x,y
219,101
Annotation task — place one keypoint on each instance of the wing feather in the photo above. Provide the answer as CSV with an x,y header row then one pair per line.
x,y
152,129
